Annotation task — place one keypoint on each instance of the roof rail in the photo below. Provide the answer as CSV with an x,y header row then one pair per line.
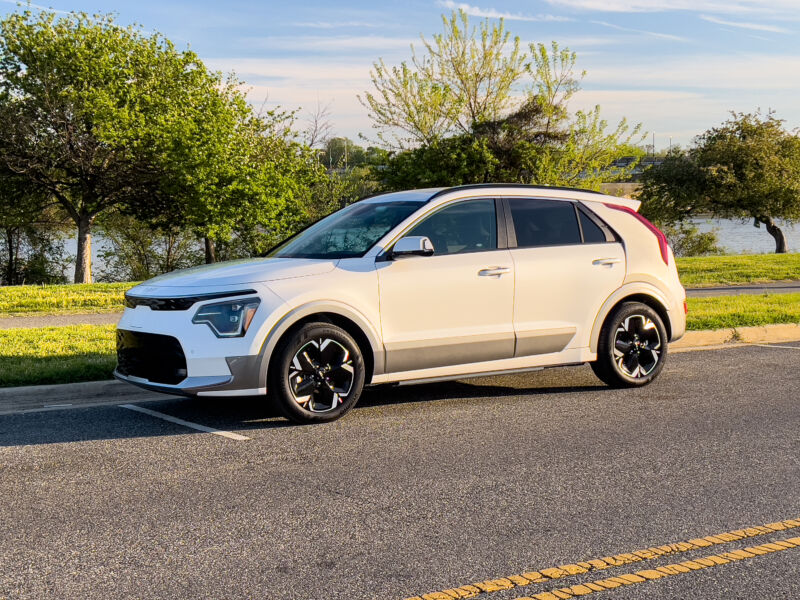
x,y
478,186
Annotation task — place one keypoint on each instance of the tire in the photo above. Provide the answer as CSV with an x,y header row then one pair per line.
x,y
316,374
632,347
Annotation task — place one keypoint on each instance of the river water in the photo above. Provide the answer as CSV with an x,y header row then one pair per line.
x,y
737,237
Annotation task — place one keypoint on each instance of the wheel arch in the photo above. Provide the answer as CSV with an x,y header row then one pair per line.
x,y
341,315
644,293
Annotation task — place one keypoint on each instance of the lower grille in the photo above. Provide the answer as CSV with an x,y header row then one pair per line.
x,y
157,358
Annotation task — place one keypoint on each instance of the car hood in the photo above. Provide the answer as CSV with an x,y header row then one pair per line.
x,y
235,272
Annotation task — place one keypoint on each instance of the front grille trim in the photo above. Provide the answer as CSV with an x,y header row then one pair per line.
x,y
152,356
179,302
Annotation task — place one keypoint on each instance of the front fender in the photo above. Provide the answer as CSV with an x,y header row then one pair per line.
x,y
321,306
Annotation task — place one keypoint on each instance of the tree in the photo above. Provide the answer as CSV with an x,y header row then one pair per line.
x,y
99,116
134,251
31,235
455,118
748,168
464,76
319,128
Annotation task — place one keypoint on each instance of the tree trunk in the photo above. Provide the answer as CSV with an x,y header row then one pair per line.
x,y
11,268
83,260
211,252
775,231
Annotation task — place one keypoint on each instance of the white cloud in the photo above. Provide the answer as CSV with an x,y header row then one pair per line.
x,y
678,97
491,13
745,25
309,72
752,73
36,6
334,25
787,8
329,43
663,36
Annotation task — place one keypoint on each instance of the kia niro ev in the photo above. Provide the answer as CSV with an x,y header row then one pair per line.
x,y
415,286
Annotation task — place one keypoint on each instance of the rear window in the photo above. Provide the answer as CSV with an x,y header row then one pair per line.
x,y
544,223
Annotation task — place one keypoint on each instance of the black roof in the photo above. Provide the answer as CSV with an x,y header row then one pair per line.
x,y
479,186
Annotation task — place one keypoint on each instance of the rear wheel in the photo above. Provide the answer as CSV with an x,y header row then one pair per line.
x,y
632,347
317,374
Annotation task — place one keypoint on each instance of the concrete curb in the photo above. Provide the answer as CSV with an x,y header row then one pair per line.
x,y
53,397
765,334
108,318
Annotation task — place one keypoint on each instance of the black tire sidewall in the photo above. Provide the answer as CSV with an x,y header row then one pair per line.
x,y
279,373
606,348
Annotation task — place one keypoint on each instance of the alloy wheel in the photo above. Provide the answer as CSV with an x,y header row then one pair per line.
x,y
321,375
637,346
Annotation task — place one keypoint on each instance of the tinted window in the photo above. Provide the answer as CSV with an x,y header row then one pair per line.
x,y
592,234
469,226
544,222
347,233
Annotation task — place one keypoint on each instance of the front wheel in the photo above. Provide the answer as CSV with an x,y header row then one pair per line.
x,y
317,374
632,347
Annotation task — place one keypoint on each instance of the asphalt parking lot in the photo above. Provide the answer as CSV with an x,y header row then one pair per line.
x,y
420,489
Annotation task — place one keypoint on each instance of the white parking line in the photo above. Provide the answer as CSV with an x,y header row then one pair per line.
x,y
177,421
776,346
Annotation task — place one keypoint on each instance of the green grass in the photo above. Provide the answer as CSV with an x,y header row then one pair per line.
x,y
56,354
700,271
26,300
743,311
86,352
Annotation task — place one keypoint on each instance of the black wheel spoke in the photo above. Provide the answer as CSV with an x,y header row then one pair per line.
x,y
321,375
637,346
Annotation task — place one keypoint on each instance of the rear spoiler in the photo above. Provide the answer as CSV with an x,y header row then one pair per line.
x,y
624,202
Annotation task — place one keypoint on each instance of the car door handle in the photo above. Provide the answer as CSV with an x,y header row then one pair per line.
x,y
493,271
606,261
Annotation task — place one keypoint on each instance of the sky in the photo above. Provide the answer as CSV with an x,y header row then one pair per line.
x,y
678,67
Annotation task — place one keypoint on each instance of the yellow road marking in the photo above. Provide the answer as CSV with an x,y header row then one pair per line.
x,y
607,562
584,589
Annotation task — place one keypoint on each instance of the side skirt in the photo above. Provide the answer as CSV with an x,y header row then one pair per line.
x,y
574,356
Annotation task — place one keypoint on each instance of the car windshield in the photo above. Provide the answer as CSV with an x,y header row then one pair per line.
x,y
347,233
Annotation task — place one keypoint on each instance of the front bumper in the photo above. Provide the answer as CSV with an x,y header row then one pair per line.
x,y
191,386
163,350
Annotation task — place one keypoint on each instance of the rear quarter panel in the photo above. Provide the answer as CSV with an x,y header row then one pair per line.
x,y
646,271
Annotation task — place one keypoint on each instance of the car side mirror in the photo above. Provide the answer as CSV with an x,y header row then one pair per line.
x,y
413,245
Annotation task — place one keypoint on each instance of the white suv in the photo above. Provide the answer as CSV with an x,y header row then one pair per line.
x,y
415,286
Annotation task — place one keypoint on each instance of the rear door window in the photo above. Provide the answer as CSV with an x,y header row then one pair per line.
x,y
544,223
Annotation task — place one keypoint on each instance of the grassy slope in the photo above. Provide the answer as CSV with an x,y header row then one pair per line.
x,y
699,271
86,352
56,354
743,311
24,300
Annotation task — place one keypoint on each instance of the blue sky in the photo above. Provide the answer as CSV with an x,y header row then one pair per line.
x,y
676,66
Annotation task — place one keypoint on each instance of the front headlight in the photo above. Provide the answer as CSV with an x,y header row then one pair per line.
x,y
228,319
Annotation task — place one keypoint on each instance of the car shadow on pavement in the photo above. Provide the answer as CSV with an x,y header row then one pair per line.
x,y
243,414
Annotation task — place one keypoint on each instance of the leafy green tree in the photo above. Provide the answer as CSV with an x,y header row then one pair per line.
x,y
687,240
344,153
747,168
465,75
484,132
135,251
258,186
31,235
101,117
